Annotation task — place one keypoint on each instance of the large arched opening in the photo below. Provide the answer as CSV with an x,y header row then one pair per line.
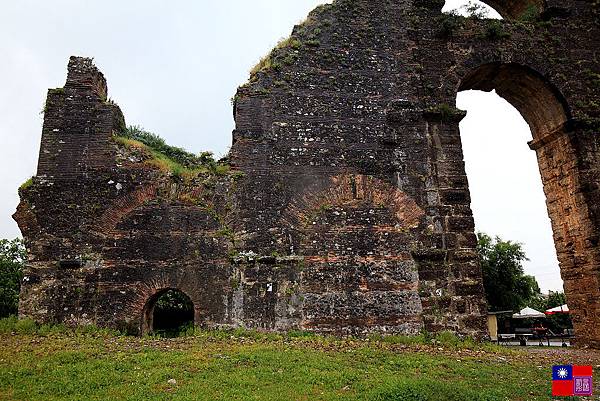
x,y
506,9
548,115
538,101
168,313
507,197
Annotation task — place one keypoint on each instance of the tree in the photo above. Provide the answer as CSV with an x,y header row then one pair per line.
x,y
507,287
559,321
12,259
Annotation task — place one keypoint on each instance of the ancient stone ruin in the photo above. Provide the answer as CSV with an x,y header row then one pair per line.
x,y
343,205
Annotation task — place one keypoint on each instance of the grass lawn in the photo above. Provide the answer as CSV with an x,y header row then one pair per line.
x,y
251,366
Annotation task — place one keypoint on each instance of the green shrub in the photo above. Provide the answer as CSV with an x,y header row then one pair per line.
x,y
405,340
290,42
444,112
301,334
289,60
12,324
594,77
269,61
190,330
88,330
264,64
57,91
495,31
448,24
12,260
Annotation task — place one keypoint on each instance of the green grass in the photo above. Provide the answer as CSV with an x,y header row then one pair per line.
x,y
26,184
176,161
158,144
268,62
160,160
245,365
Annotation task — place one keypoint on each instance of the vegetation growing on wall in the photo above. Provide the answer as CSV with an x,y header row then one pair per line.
x,y
269,61
177,161
444,112
448,24
287,50
474,10
495,31
451,21
26,184
531,14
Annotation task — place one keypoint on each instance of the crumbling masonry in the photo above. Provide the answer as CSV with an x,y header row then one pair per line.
x,y
346,207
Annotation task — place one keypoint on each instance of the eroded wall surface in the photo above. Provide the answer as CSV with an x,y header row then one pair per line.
x,y
347,206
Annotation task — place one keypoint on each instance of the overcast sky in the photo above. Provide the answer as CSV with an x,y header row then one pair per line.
x,y
173,67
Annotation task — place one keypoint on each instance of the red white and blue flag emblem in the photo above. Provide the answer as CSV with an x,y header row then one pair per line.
x,y
571,380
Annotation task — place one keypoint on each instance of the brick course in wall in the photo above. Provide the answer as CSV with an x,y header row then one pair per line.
x,y
347,207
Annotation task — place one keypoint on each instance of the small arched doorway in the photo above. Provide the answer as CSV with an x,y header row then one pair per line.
x,y
168,313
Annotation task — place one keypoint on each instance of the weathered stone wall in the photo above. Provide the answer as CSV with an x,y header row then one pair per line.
x,y
78,125
347,208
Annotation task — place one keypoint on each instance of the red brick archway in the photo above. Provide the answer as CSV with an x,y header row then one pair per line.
x,y
148,323
555,140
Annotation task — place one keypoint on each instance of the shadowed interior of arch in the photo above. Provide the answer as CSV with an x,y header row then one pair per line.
x,y
168,313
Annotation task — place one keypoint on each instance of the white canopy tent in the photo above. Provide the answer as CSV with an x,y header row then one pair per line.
x,y
559,309
527,313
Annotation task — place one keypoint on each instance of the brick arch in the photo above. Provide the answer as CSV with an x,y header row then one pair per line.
x,y
148,292
147,322
128,203
124,205
538,100
345,188
557,138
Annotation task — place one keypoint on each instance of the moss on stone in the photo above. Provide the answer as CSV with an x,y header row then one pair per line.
x,y
26,184
270,61
445,112
57,91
